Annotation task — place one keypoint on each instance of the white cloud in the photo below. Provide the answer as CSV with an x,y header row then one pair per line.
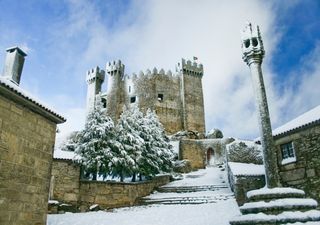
x,y
159,33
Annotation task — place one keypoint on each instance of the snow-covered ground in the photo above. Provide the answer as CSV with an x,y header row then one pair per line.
x,y
218,212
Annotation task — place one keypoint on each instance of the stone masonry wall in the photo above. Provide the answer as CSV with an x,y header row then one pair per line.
x,y
65,181
241,184
68,188
148,87
305,172
196,151
194,105
26,145
116,194
193,151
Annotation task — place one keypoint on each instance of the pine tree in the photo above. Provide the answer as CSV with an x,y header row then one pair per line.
x,y
96,143
71,142
157,154
128,132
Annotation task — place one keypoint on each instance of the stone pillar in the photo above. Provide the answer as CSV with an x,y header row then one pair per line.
x,y
253,53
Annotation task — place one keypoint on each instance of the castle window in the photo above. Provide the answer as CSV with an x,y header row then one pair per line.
x,y
160,97
133,99
104,103
129,89
288,153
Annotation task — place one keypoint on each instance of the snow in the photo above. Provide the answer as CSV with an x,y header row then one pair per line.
x,y
245,169
59,154
93,206
309,215
281,203
311,116
175,145
288,160
218,213
53,202
268,191
9,84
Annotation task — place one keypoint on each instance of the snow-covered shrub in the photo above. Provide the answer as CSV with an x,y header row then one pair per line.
x,y
70,143
244,152
182,166
215,133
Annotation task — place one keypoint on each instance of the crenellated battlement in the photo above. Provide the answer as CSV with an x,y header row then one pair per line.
x,y
153,72
95,74
115,67
190,68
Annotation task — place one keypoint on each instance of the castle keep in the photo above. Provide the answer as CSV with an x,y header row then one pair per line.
x,y
177,98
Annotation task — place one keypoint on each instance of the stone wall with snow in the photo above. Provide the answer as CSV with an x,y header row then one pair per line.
x,y
68,188
301,171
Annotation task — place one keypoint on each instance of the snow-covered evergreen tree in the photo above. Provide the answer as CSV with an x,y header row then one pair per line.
x,y
96,143
71,142
157,155
128,132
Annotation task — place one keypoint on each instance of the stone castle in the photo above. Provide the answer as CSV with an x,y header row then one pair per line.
x,y
177,98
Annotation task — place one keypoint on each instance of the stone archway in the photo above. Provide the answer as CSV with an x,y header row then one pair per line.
x,y
210,157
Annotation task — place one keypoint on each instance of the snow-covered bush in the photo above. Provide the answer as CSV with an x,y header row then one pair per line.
x,y
215,133
244,152
70,143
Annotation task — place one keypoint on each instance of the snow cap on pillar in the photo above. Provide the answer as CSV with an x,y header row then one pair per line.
x,y
252,45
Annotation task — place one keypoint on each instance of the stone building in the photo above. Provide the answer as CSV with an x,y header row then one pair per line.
x,y
177,97
27,135
298,151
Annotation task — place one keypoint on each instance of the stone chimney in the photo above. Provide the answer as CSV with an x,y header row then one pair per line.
x,y
14,64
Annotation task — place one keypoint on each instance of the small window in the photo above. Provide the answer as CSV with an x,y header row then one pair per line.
x,y
104,103
133,99
160,97
288,153
129,89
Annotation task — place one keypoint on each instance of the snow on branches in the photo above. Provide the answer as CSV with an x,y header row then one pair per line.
x,y
137,145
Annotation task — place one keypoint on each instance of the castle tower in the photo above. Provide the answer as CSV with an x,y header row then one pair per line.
x,y
192,105
253,53
116,91
14,64
94,78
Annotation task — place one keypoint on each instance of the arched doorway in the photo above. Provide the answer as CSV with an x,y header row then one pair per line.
x,y
210,157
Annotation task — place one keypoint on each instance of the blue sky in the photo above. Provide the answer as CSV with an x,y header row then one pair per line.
x,y
63,39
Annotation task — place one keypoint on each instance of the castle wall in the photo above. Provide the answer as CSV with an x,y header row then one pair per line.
x,y
304,173
26,146
160,92
194,106
196,151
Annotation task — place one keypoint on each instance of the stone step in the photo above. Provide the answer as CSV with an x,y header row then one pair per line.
x,y
265,194
185,189
283,218
185,200
279,205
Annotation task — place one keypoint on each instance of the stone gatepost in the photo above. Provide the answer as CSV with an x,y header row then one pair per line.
x,y
253,53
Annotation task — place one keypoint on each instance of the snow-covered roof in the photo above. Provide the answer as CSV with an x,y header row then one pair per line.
x,y
12,90
311,117
59,154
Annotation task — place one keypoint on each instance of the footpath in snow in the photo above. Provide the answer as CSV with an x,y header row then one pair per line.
x,y
201,198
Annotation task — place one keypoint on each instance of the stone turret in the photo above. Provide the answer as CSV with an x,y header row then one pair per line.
x,y
14,64
191,92
94,78
253,53
116,90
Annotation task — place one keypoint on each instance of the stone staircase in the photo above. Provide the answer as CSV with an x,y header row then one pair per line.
x,y
277,206
173,195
